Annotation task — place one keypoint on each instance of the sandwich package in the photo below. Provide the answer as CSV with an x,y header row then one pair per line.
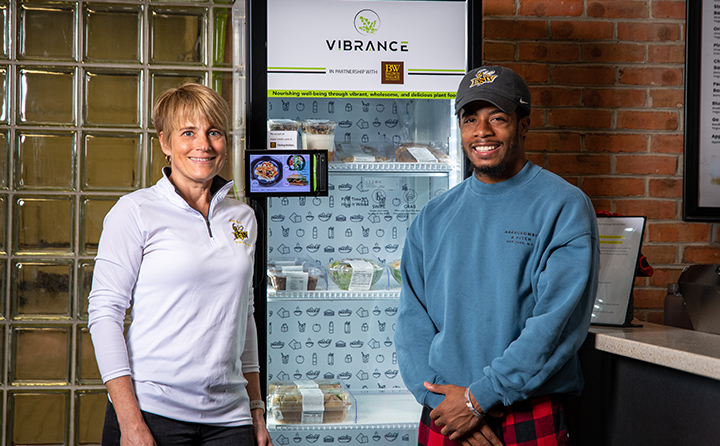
x,y
419,153
308,401
359,153
296,274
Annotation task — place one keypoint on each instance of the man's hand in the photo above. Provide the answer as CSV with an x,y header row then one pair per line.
x,y
452,414
482,437
456,420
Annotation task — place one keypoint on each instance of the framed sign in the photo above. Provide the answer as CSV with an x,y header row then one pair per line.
x,y
701,187
366,49
620,241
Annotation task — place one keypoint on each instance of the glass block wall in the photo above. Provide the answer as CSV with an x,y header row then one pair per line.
x,y
78,81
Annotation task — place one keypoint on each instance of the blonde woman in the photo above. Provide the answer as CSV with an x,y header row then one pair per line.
x,y
181,254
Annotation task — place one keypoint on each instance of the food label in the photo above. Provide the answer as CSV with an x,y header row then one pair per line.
x,y
362,273
422,154
297,279
313,402
282,140
363,159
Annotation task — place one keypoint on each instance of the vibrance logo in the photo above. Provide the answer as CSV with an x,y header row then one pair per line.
x,y
367,22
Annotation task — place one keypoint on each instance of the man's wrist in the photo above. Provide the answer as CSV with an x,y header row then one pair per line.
x,y
479,414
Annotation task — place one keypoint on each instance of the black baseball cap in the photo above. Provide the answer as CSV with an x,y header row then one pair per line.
x,y
497,85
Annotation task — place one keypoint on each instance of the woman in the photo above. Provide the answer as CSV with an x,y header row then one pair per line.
x,y
181,252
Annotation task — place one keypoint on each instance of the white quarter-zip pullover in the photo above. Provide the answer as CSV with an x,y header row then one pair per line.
x,y
189,280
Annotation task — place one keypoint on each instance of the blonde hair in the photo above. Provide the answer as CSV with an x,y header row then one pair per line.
x,y
190,101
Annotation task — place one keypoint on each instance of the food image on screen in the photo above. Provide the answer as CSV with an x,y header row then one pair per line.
x,y
296,162
267,171
297,179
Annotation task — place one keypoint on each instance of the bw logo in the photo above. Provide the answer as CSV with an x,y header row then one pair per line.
x,y
392,72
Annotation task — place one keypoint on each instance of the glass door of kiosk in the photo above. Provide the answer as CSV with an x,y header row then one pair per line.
x,y
372,85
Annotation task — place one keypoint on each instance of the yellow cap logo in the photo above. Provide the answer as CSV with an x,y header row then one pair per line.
x,y
483,77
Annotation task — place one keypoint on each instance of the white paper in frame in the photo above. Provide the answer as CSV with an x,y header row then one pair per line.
x,y
620,242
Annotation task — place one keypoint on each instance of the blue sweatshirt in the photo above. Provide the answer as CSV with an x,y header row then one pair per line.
x,y
498,285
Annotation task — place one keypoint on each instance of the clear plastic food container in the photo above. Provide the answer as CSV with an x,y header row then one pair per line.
x,y
395,271
359,153
319,127
420,153
296,274
283,125
355,274
282,134
319,134
308,401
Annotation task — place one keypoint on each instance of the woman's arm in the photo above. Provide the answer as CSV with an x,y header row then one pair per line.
x,y
133,430
262,436
115,273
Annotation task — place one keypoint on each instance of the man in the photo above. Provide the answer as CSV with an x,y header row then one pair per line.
x,y
499,277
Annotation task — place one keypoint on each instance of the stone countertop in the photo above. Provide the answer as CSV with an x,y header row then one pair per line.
x,y
686,350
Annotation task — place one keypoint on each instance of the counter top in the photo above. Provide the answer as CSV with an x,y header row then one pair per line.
x,y
686,350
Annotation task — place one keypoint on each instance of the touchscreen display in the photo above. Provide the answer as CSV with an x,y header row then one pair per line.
x,y
285,173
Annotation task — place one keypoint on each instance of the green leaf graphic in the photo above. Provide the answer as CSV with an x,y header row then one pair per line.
x,y
368,26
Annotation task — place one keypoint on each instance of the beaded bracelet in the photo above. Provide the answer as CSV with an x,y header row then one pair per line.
x,y
470,406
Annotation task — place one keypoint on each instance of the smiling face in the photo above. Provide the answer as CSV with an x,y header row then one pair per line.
x,y
192,122
198,152
493,141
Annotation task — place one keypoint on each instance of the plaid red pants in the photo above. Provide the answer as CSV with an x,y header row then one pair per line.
x,y
536,422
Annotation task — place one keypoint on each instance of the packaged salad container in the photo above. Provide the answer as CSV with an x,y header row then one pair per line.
x,y
395,271
355,274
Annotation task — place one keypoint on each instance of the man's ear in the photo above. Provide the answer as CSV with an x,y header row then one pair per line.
x,y
524,125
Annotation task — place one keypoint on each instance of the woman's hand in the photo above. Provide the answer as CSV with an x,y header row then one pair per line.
x,y
262,436
133,430
138,435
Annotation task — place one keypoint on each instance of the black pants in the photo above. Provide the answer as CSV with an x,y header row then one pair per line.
x,y
169,432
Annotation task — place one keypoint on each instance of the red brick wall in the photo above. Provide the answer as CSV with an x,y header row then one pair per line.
x,y
608,92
